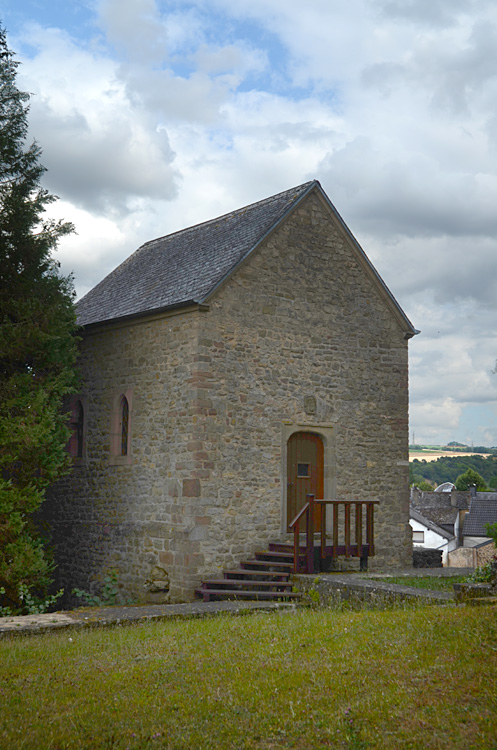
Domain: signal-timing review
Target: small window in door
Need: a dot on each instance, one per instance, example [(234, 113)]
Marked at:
[(303, 470)]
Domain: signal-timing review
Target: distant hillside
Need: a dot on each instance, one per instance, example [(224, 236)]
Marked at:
[(453, 447), (448, 468)]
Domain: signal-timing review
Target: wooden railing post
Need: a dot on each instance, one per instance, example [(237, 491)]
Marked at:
[(362, 545), (322, 519), (335, 530), (370, 528), (309, 542), (347, 529), (358, 528), (296, 547)]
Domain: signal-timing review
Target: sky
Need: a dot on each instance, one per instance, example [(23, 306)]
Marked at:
[(153, 115)]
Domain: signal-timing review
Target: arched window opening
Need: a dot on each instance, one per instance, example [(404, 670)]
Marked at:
[(121, 428), (77, 426), (124, 426)]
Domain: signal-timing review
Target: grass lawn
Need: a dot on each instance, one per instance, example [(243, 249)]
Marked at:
[(414, 678), (432, 583)]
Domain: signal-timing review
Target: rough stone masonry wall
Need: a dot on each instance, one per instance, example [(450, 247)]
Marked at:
[(301, 318), (135, 517), (212, 393)]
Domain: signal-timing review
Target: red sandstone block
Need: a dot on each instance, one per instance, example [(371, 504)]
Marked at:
[(199, 474), (191, 487), (166, 558)]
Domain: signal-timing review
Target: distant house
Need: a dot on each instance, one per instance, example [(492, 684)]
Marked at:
[(427, 534), (444, 509), (455, 523), (482, 510), (227, 370)]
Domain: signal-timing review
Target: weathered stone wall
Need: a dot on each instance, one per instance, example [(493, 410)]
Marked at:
[(472, 557), (299, 338), (301, 319), (127, 516)]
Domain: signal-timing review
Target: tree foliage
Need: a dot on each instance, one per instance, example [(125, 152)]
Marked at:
[(448, 468), (470, 478), (37, 346)]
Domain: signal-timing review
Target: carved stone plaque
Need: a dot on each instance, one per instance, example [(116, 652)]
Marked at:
[(310, 405)]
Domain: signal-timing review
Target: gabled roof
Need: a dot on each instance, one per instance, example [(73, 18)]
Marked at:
[(416, 516), (187, 267), (435, 507), (483, 510)]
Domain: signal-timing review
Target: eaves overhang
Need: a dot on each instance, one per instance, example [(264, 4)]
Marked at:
[(176, 308)]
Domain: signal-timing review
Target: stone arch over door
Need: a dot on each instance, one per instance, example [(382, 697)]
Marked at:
[(308, 465)]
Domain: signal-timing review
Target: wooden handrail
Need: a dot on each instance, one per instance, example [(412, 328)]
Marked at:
[(348, 549), (295, 524), (299, 515)]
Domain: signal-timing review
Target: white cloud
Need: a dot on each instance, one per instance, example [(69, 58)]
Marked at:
[(174, 112), (135, 28), (99, 150)]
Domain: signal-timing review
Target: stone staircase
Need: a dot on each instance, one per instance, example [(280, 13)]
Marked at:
[(267, 576)]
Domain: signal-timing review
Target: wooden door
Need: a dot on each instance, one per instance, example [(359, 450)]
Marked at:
[(304, 473)]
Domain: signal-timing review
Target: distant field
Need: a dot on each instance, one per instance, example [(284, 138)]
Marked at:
[(433, 455)]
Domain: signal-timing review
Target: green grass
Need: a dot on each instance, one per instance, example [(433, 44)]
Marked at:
[(423, 678), (432, 583)]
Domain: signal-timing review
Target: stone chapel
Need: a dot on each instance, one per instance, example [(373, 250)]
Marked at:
[(208, 359)]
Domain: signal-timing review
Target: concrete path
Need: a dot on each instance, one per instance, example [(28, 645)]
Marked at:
[(101, 616)]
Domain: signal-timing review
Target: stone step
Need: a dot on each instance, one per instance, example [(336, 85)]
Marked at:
[(270, 574), (465, 592), (284, 547), (207, 594), (265, 577), (266, 554), (265, 564), (245, 583), (482, 601)]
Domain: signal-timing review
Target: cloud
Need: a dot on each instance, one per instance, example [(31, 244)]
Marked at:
[(135, 28), (410, 194), (100, 152), (430, 13), (172, 113)]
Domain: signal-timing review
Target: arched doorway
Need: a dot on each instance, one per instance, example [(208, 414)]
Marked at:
[(305, 473)]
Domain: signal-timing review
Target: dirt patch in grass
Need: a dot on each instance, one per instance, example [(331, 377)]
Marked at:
[(422, 678)]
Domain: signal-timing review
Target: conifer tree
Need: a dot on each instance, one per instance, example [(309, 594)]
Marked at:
[(37, 349)]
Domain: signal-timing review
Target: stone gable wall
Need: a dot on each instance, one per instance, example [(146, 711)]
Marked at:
[(298, 338), (301, 323)]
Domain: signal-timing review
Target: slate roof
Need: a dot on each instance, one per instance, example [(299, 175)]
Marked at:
[(186, 267), (483, 510), (435, 507), (414, 514)]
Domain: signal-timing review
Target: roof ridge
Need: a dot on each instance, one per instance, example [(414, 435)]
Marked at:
[(270, 199)]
